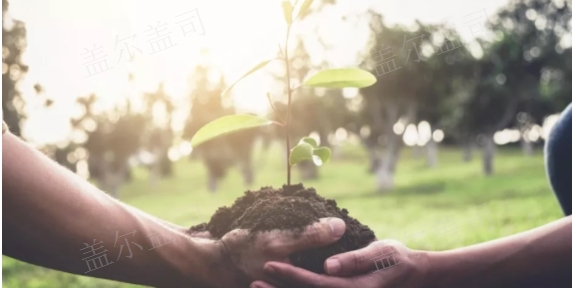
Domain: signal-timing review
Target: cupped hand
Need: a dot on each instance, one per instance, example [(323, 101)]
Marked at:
[(241, 256), (381, 264)]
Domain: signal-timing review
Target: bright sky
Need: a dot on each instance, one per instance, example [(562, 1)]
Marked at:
[(238, 34)]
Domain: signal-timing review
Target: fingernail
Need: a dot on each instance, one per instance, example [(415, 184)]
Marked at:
[(332, 266), (337, 226)]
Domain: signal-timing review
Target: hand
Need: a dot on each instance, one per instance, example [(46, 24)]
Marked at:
[(399, 267), (241, 256)]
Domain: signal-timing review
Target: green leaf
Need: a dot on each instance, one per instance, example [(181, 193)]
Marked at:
[(341, 78), (254, 69), (227, 124), (310, 141), (304, 8), (301, 152), (323, 154), (287, 9)]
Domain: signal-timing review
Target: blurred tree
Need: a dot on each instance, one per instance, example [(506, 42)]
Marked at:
[(439, 84), (220, 153), (110, 139), (508, 78), (403, 88), (13, 69), (158, 136), (539, 27)]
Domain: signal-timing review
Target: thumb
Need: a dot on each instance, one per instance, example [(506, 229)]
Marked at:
[(319, 234)]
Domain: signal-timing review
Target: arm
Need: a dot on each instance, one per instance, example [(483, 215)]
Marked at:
[(49, 213), (537, 258), (540, 257)]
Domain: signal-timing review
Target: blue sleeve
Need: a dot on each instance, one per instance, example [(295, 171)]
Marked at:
[(558, 159)]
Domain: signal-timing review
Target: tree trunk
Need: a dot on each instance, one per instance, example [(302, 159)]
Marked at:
[(336, 152), (467, 150), (308, 171), (527, 146), (417, 152), (387, 167), (525, 143), (385, 178), (113, 179), (266, 142), (374, 159), (155, 168), (324, 140), (247, 171), (432, 153), (212, 182), (488, 156), (153, 175), (113, 190)]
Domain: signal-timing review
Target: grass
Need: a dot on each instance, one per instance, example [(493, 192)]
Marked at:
[(450, 206)]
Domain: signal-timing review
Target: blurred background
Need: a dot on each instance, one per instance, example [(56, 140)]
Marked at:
[(454, 127)]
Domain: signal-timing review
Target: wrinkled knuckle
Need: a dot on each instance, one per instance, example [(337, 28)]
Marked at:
[(233, 237), (269, 247), (395, 243), (314, 236), (380, 245), (358, 259)]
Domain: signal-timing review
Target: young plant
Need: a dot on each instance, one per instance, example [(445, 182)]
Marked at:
[(307, 148)]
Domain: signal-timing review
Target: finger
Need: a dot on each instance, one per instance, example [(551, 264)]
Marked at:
[(319, 234), (261, 284), (358, 261), (297, 277)]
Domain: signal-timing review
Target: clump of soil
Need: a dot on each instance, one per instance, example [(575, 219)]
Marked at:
[(290, 208)]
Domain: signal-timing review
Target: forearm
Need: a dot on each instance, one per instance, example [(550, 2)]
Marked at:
[(537, 258), (49, 213)]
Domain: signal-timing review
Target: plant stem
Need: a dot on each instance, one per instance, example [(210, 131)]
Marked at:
[(280, 120), (287, 127)]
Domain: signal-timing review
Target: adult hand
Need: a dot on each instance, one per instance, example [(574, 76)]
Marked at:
[(381, 264), (239, 256)]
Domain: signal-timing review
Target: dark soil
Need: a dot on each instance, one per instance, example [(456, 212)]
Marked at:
[(291, 208)]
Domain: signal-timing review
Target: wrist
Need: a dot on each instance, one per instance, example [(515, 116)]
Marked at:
[(191, 262), (431, 271), (207, 264), (219, 269), (423, 262), (438, 272)]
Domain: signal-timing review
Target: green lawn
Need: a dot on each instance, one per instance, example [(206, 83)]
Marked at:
[(434, 208)]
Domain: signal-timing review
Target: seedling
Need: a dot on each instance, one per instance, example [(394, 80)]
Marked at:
[(307, 149)]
